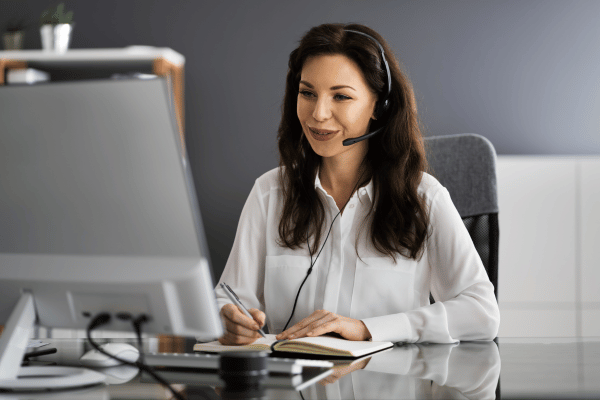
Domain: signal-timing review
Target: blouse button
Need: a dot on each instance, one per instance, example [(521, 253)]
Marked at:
[(351, 206)]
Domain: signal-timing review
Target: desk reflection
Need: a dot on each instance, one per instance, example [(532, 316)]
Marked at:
[(410, 371), (414, 371)]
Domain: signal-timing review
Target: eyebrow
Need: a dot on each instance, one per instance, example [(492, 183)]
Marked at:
[(331, 88)]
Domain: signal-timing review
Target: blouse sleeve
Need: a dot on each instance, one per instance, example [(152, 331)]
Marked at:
[(465, 307), (245, 270)]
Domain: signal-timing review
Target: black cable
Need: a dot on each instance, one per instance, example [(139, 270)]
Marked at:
[(299, 391), (310, 269), (103, 319), (310, 252), (137, 327), (136, 323)]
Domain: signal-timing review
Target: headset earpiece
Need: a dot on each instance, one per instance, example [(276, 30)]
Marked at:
[(383, 104), (381, 108)]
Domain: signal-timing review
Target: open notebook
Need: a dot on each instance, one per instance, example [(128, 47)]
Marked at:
[(320, 345)]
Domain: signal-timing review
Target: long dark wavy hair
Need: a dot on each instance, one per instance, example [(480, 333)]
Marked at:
[(395, 159)]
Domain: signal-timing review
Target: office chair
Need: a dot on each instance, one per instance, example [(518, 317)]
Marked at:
[(466, 165)]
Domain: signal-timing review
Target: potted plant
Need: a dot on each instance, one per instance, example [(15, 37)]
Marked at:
[(56, 27), (14, 34)]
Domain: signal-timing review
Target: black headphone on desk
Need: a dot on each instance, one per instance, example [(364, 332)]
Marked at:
[(381, 107)]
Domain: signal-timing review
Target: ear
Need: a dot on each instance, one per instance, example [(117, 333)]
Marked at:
[(374, 115)]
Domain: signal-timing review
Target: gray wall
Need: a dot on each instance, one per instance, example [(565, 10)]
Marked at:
[(522, 73)]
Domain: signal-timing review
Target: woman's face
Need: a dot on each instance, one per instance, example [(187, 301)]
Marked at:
[(334, 97)]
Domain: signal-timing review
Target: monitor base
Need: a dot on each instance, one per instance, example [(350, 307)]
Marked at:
[(13, 344), (52, 378)]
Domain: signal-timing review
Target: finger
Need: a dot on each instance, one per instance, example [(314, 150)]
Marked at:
[(329, 379), (315, 324), (295, 331), (333, 378), (258, 316), (242, 333), (228, 310), (291, 332), (326, 327), (240, 330), (234, 314), (320, 327), (231, 339)]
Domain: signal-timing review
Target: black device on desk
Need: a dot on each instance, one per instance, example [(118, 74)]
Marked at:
[(98, 216)]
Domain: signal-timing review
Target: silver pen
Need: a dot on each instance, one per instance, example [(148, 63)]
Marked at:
[(236, 300)]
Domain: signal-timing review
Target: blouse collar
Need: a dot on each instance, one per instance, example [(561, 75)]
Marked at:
[(368, 189)]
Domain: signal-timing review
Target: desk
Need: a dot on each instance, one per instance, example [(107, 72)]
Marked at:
[(513, 368)]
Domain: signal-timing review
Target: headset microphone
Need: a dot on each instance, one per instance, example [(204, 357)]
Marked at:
[(382, 105), (348, 142)]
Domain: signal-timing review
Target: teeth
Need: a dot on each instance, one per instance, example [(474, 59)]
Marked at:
[(322, 134)]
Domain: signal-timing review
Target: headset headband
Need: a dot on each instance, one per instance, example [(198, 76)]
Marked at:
[(387, 67)]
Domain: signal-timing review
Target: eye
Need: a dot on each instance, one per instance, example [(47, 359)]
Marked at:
[(306, 93), (342, 97)]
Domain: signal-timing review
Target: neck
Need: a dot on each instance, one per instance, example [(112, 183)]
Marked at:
[(341, 175)]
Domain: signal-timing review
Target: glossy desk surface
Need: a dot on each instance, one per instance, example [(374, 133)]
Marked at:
[(509, 369)]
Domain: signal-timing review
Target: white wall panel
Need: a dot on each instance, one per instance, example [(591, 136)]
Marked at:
[(537, 229), (590, 321), (590, 230), (537, 323)]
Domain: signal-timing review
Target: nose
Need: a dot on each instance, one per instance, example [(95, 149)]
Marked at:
[(322, 110)]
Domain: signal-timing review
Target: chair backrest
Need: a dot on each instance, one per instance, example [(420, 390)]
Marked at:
[(466, 165)]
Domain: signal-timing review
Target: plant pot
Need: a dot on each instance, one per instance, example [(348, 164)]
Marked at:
[(13, 40), (56, 38)]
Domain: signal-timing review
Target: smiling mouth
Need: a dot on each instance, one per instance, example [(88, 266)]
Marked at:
[(321, 132)]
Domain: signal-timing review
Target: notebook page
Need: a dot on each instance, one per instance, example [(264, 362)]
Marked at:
[(263, 344), (332, 346)]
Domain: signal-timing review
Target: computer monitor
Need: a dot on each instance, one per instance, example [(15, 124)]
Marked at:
[(98, 213)]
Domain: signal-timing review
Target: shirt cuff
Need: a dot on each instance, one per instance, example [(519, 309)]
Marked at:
[(389, 328)]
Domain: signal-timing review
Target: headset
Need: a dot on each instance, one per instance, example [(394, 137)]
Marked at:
[(381, 108), (383, 104)]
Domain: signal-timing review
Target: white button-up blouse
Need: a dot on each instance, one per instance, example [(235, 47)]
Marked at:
[(392, 299)]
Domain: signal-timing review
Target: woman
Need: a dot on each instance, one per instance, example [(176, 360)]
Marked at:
[(350, 237)]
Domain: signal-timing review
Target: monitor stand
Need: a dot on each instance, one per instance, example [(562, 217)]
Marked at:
[(13, 344)]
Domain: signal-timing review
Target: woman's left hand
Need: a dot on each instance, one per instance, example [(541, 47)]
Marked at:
[(322, 321)]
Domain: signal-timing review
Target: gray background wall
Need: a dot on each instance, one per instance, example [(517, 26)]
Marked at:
[(522, 73)]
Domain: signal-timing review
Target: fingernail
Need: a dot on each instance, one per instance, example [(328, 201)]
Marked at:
[(292, 336)]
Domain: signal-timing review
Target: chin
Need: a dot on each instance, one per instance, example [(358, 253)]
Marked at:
[(325, 150)]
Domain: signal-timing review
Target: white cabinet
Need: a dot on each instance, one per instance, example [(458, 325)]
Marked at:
[(549, 258), (590, 247)]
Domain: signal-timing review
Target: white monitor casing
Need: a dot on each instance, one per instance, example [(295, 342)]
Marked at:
[(98, 213)]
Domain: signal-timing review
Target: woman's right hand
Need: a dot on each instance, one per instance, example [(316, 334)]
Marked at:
[(239, 328)]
